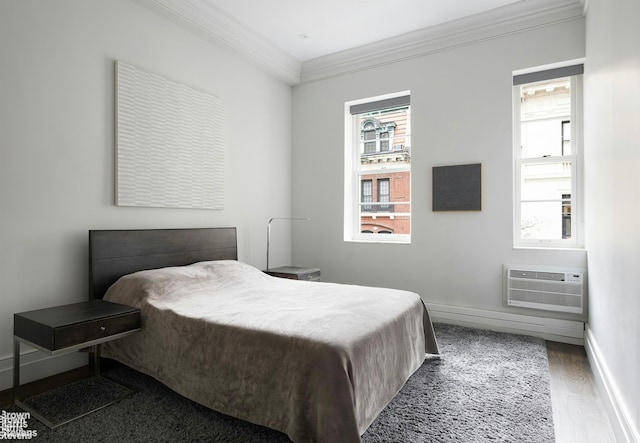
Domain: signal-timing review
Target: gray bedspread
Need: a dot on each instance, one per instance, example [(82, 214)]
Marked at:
[(317, 361)]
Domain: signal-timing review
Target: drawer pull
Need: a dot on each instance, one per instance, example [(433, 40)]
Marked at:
[(103, 328)]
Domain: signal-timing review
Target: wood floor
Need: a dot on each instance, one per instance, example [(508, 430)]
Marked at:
[(578, 413)]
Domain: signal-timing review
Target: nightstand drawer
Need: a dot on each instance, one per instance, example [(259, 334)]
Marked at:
[(94, 330), (313, 275), (72, 325)]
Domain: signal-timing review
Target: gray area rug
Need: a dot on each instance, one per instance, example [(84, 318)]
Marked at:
[(486, 387)]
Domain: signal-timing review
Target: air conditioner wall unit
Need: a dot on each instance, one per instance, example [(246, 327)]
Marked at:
[(560, 290)]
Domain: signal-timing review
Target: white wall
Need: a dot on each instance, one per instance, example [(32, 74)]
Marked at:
[(57, 146), (612, 135), (461, 101)]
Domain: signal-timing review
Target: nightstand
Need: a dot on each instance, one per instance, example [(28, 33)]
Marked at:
[(295, 273), (62, 329)]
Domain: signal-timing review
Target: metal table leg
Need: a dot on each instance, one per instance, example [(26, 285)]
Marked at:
[(96, 360), (16, 386), (16, 370)]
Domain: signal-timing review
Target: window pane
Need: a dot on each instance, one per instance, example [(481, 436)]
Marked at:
[(542, 138), (392, 131), (385, 202), (383, 195), (545, 220), (545, 181), (383, 190), (370, 147), (366, 195), (545, 112)]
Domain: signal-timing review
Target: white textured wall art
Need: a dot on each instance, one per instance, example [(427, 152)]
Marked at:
[(170, 143)]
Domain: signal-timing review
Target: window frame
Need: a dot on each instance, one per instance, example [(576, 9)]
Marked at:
[(574, 159), (352, 173)]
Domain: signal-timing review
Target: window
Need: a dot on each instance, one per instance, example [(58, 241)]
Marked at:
[(383, 194), (384, 141), (547, 125), (378, 169), (367, 195)]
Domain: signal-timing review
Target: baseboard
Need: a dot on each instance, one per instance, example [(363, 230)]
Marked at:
[(35, 365), (623, 428), (564, 331)]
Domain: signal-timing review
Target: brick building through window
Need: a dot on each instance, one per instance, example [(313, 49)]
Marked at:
[(385, 192)]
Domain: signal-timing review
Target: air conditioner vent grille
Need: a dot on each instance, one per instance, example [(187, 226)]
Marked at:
[(537, 275), (543, 286), (557, 300)]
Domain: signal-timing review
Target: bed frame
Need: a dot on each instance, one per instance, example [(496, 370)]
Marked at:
[(114, 253)]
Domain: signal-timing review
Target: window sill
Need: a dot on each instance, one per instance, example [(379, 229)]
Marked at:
[(388, 242), (551, 248)]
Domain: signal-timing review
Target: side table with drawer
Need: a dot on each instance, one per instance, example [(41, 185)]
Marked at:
[(68, 328)]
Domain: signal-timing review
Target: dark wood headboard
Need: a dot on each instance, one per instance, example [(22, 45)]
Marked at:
[(114, 253)]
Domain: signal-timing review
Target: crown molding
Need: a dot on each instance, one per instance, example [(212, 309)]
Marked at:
[(510, 19), (221, 29), (217, 27)]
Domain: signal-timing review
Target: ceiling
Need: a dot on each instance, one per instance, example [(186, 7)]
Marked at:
[(308, 29), (305, 40)]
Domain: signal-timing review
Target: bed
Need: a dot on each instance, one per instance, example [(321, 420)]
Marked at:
[(317, 361)]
